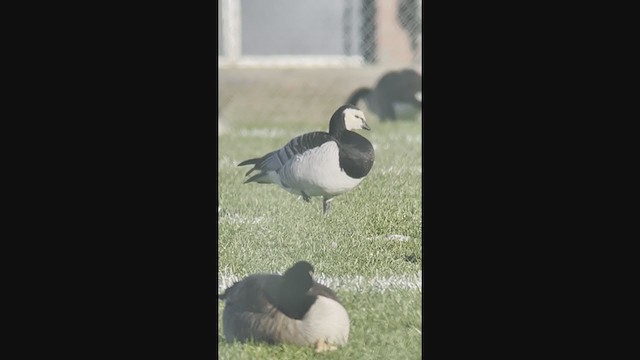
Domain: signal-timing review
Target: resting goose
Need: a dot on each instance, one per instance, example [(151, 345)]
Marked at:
[(397, 94), (290, 308), (319, 163)]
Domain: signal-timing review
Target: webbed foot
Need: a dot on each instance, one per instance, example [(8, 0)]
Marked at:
[(322, 346)]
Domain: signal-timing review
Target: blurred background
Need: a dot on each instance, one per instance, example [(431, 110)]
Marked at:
[(285, 61)]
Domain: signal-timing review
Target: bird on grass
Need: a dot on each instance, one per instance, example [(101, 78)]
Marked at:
[(285, 309), (397, 94), (319, 163)]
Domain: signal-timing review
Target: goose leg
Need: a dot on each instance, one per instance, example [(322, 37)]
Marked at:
[(326, 206), (322, 345), (305, 197)]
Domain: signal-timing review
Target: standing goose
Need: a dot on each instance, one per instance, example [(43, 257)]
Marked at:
[(397, 93), (290, 308), (319, 163)]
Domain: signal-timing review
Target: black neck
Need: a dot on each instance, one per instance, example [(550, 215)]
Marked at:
[(294, 302), (336, 125)]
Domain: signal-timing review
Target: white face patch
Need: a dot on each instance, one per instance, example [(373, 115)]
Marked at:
[(418, 96), (354, 119)]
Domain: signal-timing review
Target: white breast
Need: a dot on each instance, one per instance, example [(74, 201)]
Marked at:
[(317, 172), (326, 319)]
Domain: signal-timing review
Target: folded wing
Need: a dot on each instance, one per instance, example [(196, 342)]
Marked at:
[(275, 160)]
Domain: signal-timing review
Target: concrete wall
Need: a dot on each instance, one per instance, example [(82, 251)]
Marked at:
[(285, 27), (317, 27)]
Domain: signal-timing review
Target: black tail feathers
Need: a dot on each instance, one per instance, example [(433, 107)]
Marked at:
[(249, 162)]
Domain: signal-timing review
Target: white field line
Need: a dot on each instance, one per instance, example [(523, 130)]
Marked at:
[(227, 161), (346, 283), (399, 170), (225, 216), (395, 237), (262, 133), (233, 218), (397, 138)]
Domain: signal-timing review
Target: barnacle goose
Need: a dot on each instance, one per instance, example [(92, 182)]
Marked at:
[(397, 94), (290, 308), (320, 163)]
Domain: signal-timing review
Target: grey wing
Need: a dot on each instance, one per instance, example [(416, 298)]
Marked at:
[(275, 160), (252, 293)]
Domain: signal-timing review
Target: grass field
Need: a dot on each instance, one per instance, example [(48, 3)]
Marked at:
[(368, 249)]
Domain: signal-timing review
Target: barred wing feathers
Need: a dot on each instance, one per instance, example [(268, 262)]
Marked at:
[(275, 160)]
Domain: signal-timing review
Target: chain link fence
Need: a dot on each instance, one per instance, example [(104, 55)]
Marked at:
[(292, 60)]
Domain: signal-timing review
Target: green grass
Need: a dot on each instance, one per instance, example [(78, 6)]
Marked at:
[(263, 228)]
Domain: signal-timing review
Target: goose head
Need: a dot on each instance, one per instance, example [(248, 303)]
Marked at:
[(293, 298), (347, 117), (298, 279)]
